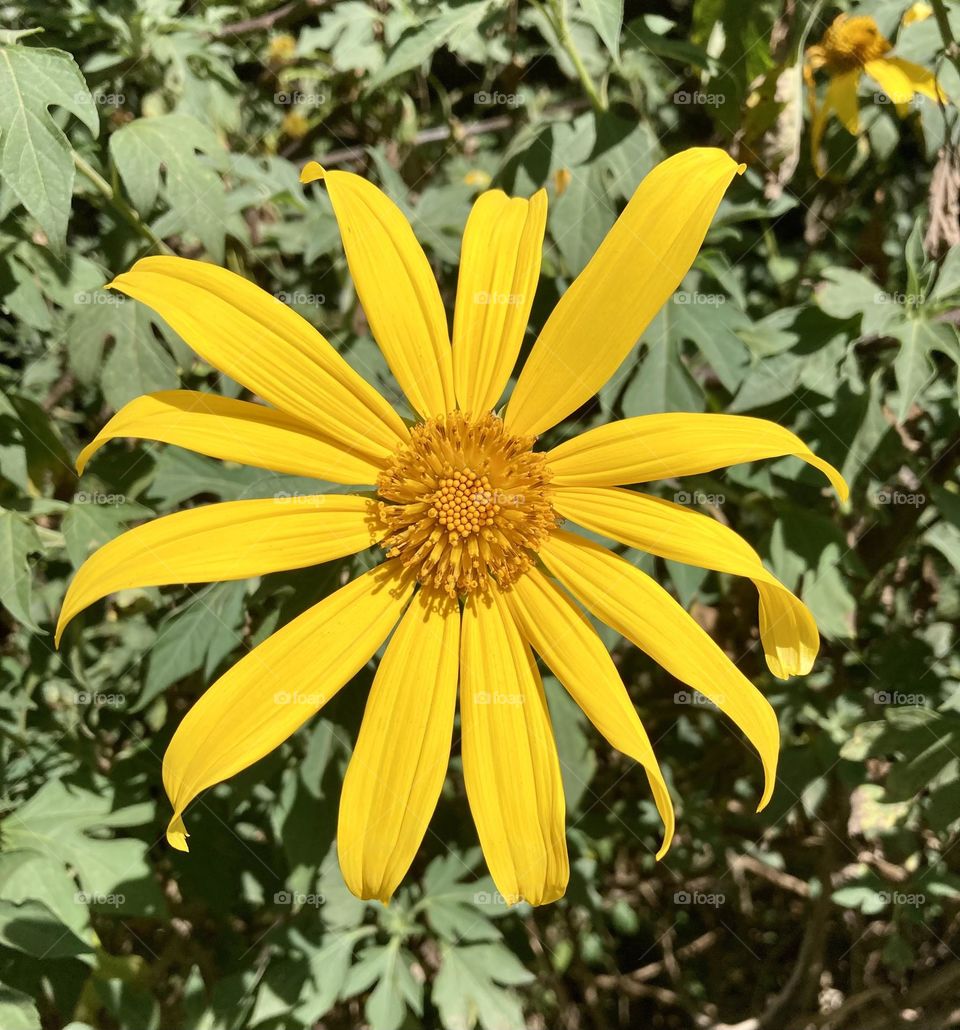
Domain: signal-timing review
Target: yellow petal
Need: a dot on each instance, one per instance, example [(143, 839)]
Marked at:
[(630, 602), (268, 348), (499, 268), (901, 79), (842, 98), (649, 447), (563, 637), (232, 540), (232, 430), (275, 688), (634, 271), (919, 11), (398, 766), (787, 629), (396, 287), (510, 761)]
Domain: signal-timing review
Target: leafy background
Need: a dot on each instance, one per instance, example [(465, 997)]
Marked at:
[(830, 306)]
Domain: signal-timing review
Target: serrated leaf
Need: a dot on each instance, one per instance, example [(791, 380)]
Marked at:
[(468, 989), (198, 637), (18, 539), (913, 365), (138, 362), (847, 294), (418, 44), (171, 144), (35, 157)]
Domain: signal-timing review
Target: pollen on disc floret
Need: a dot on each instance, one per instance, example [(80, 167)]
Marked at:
[(464, 501)]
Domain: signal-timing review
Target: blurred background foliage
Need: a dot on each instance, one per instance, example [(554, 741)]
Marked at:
[(829, 305)]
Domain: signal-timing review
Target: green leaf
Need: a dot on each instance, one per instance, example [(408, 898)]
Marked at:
[(31, 927), (17, 1010), (58, 821), (389, 966), (193, 190), (138, 362), (846, 294), (36, 163), (468, 989), (199, 637), (18, 539), (418, 45), (913, 365), (94, 519), (606, 16)]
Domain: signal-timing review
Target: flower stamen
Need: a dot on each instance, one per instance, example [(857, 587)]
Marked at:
[(465, 501)]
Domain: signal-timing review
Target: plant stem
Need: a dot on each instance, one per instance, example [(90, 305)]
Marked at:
[(562, 27), (117, 203), (950, 48)]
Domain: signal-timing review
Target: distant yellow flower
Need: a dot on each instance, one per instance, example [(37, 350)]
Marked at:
[(850, 47), (478, 178), (562, 178), (478, 575), (294, 125), (281, 48), (919, 11)]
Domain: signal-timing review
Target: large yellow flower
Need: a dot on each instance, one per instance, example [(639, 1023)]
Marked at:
[(478, 573), (850, 48)]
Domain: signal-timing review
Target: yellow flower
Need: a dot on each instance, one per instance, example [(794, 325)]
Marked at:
[(850, 47), (478, 575), (281, 48), (478, 178), (919, 11), (562, 178), (294, 125)]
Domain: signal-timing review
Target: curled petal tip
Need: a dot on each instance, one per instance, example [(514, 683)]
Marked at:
[(177, 834), (741, 168), (311, 172), (767, 795)]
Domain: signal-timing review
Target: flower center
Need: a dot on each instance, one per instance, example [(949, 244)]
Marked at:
[(850, 42), (465, 501)]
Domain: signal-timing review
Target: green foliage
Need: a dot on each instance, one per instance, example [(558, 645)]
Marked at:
[(828, 305)]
